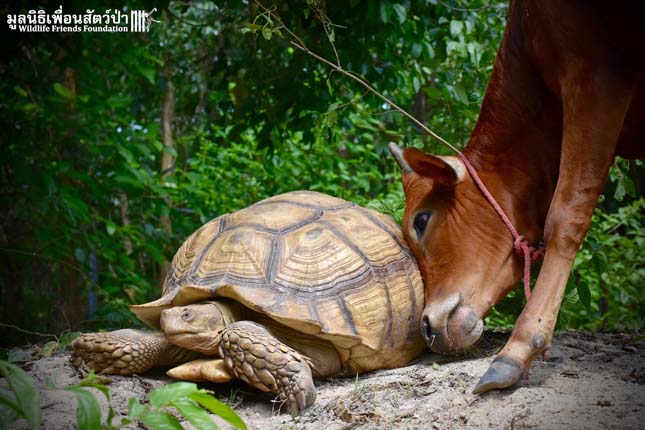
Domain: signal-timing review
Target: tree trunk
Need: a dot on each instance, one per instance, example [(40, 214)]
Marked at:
[(167, 159), (125, 221), (72, 282), (72, 305), (419, 106)]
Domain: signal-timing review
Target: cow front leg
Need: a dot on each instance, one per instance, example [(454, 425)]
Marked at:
[(593, 118)]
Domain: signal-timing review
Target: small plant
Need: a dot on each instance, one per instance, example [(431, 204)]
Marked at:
[(358, 389), (186, 398), (20, 399)]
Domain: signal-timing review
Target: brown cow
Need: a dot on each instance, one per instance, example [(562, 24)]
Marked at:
[(566, 94)]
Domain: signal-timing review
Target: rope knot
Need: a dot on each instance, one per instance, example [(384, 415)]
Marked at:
[(537, 252), (522, 247), (520, 243)]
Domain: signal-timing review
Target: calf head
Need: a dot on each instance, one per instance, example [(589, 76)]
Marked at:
[(463, 249)]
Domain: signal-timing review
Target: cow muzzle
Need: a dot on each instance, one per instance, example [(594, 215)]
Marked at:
[(450, 326)]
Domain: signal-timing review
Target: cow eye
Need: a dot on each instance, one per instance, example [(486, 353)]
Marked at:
[(420, 222)]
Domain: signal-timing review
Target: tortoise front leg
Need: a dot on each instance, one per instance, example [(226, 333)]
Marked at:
[(258, 358), (126, 352)]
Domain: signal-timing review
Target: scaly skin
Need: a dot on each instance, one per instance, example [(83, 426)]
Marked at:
[(127, 352), (249, 351), (258, 358)]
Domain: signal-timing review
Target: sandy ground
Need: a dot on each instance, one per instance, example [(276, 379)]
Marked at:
[(592, 381)]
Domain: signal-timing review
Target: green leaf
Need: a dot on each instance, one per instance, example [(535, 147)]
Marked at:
[(110, 227), (620, 192), (9, 409), (18, 355), (475, 52), (461, 94), (400, 11), (67, 338), (79, 254), (251, 27), (8, 398), (147, 72), (630, 187), (135, 409), (266, 32), (91, 381), (218, 408), (49, 348), (170, 150), (165, 395), (63, 91), (20, 91), (332, 107), (384, 11), (456, 27), (88, 411), (119, 100), (584, 295), (158, 420), (416, 50), (24, 390), (7, 415), (599, 261), (28, 107), (416, 83), (195, 414), (429, 50)]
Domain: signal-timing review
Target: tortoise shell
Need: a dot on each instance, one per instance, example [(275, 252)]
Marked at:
[(318, 264)]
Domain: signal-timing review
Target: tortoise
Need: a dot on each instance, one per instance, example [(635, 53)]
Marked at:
[(296, 286)]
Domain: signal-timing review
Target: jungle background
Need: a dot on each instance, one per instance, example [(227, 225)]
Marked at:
[(115, 147)]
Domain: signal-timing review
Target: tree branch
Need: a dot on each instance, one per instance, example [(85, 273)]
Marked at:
[(299, 44)]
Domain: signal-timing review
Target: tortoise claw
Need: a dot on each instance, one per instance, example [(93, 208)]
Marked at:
[(502, 373)]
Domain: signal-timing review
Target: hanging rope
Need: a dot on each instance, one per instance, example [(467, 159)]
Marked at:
[(520, 244)]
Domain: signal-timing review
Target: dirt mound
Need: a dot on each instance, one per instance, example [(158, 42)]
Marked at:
[(591, 381)]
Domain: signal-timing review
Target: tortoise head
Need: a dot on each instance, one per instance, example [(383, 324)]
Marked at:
[(197, 326)]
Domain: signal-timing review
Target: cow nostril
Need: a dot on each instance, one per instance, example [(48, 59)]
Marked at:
[(426, 330)]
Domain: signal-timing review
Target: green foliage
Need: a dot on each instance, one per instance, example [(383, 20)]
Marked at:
[(88, 411), (20, 399), (609, 272), (191, 402), (605, 287)]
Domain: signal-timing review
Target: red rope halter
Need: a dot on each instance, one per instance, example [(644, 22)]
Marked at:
[(520, 244)]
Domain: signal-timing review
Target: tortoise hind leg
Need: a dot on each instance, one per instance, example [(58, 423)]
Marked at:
[(126, 352), (258, 358)]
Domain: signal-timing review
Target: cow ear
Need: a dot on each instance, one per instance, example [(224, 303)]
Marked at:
[(442, 169)]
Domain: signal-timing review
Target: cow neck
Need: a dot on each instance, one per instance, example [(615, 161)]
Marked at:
[(515, 147)]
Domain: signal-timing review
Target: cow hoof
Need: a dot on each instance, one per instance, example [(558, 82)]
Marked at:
[(502, 373)]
